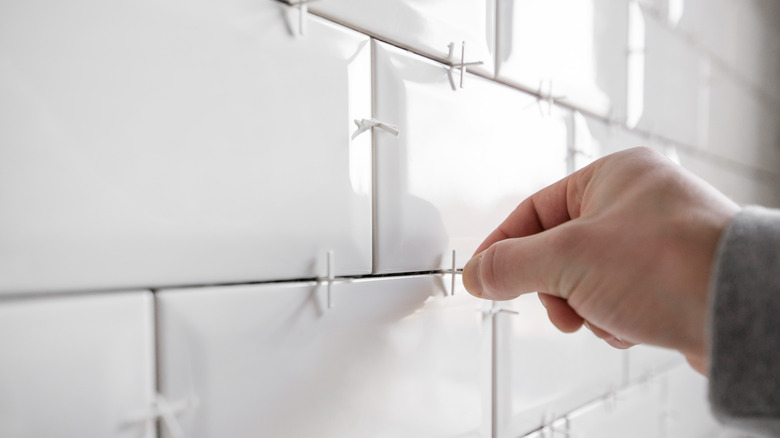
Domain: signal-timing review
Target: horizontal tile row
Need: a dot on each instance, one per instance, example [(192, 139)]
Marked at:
[(153, 164), (395, 356)]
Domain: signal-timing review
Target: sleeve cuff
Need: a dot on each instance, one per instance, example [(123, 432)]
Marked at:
[(745, 323)]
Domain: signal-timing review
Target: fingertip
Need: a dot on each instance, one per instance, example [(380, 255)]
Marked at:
[(471, 276), (618, 343)]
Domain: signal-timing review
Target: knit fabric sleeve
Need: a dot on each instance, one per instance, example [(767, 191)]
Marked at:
[(744, 386)]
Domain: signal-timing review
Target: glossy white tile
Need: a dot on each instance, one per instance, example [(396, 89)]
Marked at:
[(424, 27), (542, 373), (181, 142), (579, 55), (638, 411), (664, 81), (463, 160), (77, 366), (393, 357)]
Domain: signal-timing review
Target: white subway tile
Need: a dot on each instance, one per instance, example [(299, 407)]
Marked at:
[(77, 366), (424, 27), (393, 357), (181, 142), (574, 49), (463, 160), (542, 373)]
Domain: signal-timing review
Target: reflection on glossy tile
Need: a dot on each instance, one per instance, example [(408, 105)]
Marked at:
[(77, 366), (582, 53), (393, 358), (635, 412), (543, 373), (214, 146), (462, 163), (670, 99), (424, 27)]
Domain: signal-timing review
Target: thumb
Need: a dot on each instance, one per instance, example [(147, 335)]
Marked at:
[(512, 267)]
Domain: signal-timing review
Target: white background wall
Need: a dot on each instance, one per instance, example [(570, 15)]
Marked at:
[(194, 243)]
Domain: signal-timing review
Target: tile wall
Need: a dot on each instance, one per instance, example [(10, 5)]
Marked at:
[(240, 218)]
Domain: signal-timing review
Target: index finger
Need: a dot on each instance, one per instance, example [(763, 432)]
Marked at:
[(545, 209)]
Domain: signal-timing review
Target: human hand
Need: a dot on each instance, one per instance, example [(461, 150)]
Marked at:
[(624, 246)]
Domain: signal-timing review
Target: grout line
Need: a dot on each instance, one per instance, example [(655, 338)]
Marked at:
[(496, 38), (494, 377), (374, 162), (157, 350), (67, 293), (22, 296)]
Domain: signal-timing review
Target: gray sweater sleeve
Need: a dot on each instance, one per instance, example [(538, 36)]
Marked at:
[(745, 324)]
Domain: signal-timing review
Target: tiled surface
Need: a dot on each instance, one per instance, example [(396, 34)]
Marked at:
[(79, 366), (579, 56), (183, 154), (463, 160), (543, 373), (425, 27), (192, 143), (392, 358)]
